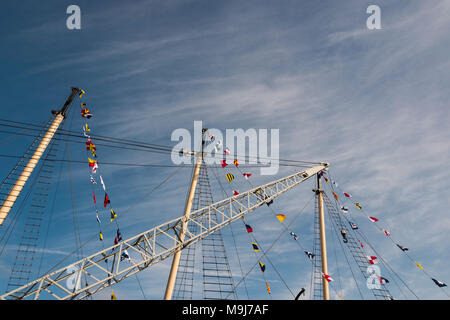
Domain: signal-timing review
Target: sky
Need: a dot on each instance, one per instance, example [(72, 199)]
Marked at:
[(372, 103)]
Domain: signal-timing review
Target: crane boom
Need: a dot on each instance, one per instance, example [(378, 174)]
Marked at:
[(150, 247)]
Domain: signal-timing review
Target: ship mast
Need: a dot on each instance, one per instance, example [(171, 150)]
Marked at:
[(187, 212), (28, 170)]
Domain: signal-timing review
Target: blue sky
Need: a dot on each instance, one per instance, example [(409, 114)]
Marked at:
[(372, 103)]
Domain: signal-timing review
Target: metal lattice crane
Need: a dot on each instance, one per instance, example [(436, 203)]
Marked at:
[(159, 243)]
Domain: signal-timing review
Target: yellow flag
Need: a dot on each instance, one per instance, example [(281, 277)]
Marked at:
[(357, 205), (268, 288), (87, 128), (101, 236), (82, 92), (91, 161), (113, 296), (281, 217), (418, 264)]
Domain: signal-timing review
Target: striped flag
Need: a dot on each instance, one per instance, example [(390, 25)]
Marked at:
[(262, 266), (255, 247), (327, 277), (386, 232), (373, 219), (249, 228), (372, 259), (230, 177), (236, 162)]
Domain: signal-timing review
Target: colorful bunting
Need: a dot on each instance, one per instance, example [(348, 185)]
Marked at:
[(85, 113), (262, 266), (255, 247), (268, 288), (224, 163), (113, 215), (236, 162), (310, 255), (118, 237), (327, 277), (106, 201), (419, 265), (230, 177), (81, 93), (373, 219), (249, 228), (347, 195), (358, 205), (280, 217), (335, 195), (439, 283), (372, 259), (293, 235)]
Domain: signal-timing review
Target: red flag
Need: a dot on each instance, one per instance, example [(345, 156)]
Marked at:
[(386, 232), (236, 163), (247, 175), (224, 164), (373, 219), (372, 259), (106, 200), (93, 193), (362, 246), (347, 195), (327, 277), (235, 192)]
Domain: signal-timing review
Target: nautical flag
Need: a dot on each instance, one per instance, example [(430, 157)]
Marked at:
[(269, 203), (383, 280), (230, 177), (255, 247), (235, 192), (106, 201), (85, 113), (419, 265), (354, 226), (293, 235), (362, 246), (373, 219), (82, 92), (118, 237), (90, 146), (226, 151), (403, 248), (302, 292), (124, 255), (262, 266), (249, 228), (439, 283), (86, 128), (91, 162), (310, 255), (95, 167), (101, 236), (335, 195), (268, 288), (386, 232), (280, 217), (247, 175), (347, 195), (327, 277), (113, 215), (326, 179), (335, 184), (93, 194), (344, 209), (372, 259), (92, 180), (358, 205), (103, 184), (83, 105), (96, 216), (224, 163), (236, 162)]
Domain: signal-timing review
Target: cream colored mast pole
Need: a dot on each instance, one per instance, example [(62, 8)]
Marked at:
[(323, 242), (28, 170), (187, 212)]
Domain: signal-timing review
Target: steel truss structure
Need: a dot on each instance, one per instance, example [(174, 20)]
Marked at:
[(150, 247)]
